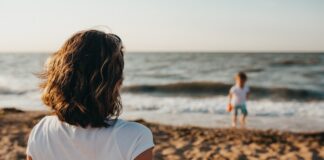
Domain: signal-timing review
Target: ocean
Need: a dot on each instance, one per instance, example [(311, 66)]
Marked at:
[(191, 88)]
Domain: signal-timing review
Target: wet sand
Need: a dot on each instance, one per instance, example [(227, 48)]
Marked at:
[(210, 120), (186, 142)]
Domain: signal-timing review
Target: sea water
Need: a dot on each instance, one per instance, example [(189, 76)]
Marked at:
[(192, 87)]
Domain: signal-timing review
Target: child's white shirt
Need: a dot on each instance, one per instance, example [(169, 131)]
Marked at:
[(239, 95)]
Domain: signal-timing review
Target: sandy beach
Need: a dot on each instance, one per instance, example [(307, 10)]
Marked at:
[(183, 142)]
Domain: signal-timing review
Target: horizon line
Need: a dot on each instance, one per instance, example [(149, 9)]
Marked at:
[(183, 51)]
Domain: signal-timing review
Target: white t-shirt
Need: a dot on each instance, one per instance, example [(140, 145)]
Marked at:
[(239, 95), (52, 139)]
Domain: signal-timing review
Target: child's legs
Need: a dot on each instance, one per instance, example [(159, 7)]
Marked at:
[(234, 116), (242, 122), (234, 119), (244, 115)]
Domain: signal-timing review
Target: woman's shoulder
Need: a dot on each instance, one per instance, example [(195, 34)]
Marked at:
[(120, 126), (46, 120), (132, 131), (133, 138), (130, 126), (38, 131), (44, 123)]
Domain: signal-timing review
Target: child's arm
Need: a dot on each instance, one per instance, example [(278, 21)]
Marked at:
[(229, 105)]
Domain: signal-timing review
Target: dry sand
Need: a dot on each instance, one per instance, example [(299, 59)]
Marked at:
[(184, 142)]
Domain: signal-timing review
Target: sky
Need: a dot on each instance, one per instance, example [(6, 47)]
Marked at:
[(166, 25)]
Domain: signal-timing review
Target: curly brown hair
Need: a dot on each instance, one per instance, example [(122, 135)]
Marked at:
[(81, 80)]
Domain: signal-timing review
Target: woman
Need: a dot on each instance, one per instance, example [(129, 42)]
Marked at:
[(81, 85)]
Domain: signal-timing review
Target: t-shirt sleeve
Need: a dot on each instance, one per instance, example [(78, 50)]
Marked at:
[(29, 151), (31, 142), (133, 139), (143, 142), (33, 139)]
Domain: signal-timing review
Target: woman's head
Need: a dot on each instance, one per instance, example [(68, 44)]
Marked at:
[(82, 79)]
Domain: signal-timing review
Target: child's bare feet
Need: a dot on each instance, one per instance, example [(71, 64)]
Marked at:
[(242, 122), (234, 119)]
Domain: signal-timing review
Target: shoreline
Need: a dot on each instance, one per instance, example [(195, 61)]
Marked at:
[(183, 142), (295, 124), (216, 121)]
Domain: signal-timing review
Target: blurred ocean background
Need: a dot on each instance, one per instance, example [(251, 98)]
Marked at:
[(191, 88)]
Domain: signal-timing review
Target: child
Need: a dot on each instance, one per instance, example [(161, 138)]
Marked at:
[(237, 98), (81, 85)]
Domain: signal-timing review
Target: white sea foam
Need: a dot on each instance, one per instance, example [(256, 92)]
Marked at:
[(217, 105), (211, 112)]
